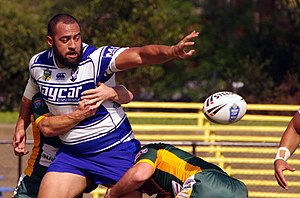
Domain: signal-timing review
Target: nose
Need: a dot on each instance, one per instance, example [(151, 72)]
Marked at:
[(72, 44)]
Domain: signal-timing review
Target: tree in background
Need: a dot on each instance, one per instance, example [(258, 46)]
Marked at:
[(254, 42)]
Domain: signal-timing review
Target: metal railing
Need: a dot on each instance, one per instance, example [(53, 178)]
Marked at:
[(244, 149)]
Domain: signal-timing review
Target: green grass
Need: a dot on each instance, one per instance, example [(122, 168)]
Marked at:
[(8, 117)]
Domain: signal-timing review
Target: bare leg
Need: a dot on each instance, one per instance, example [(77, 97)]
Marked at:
[(58, 184)]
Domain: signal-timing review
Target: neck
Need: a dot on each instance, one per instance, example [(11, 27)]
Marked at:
[(59, 64)]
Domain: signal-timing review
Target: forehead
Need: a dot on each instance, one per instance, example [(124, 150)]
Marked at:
[(63, 29)]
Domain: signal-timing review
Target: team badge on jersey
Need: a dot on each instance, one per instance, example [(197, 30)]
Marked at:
[(47, 75), (145, 150), (38, 102)]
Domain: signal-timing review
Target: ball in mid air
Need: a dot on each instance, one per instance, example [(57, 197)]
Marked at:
[(224, 107)]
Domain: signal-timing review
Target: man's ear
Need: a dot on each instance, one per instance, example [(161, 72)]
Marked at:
[(50, 41)]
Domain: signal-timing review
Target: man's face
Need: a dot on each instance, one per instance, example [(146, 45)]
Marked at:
[(67, 44)]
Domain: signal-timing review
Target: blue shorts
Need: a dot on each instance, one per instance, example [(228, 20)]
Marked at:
[(104, 168)]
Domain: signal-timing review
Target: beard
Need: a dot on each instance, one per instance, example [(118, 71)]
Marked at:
[(64, 61)]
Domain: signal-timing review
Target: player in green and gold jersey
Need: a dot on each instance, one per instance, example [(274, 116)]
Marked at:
[(43, 153), (168, 171)]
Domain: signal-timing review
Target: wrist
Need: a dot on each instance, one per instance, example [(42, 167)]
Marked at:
[(283, 153), (113, 95), (172, 51), (76, 116)]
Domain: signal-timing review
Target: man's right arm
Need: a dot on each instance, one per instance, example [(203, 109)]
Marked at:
[(19, 138), (132, 180)]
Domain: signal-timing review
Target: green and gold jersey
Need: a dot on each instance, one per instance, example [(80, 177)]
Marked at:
[(44, 148), (172, 168)]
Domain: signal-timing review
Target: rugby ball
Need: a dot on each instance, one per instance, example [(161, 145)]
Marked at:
[(224, 107)]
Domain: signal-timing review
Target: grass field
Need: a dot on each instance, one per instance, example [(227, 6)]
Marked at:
[(8, 117)]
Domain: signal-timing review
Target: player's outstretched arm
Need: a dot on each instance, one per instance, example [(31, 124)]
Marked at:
[(288, 144), (133, 179), (19, 137), (155, 54)]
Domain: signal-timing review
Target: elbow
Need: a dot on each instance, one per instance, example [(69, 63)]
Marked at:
[(128, 98), (139, 176), (47, 133), (45, 129), (142, 172), (130, 95)]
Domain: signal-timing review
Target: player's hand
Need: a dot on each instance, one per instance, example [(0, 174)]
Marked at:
[(179, 49), (279, 167), (98, 95), (19, 142), (84, 110)]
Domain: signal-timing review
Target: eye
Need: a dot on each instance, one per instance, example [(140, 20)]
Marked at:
[(64, 39), (77, 38)]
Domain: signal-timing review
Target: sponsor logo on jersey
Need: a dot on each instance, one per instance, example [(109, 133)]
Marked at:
[(61, 94), (60, 76), (48, 155), (46, 75)]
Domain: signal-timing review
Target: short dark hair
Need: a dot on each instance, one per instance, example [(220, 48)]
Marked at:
[(65, 18)]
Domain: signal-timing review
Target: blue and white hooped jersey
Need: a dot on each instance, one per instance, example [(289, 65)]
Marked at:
[(62, 87)]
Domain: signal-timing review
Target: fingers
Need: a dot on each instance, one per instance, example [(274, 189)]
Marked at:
[(279, 167), (19, 142), (178, 50), (193, 34), (88, 94), (281, 180), (20, 150), (290, 168), (190, 53)]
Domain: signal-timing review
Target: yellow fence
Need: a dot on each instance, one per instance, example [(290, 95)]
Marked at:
[(244, 150)]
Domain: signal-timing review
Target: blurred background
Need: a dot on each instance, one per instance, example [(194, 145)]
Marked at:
[(247, 46), (251, 47)]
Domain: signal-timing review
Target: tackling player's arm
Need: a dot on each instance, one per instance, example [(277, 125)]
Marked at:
[(155, 54), (60, 124), (288, 144), (118, 94), (133, 179), (52, 126)]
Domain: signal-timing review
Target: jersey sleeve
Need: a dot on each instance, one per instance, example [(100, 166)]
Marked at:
[(148, 155), (31, 87), (39, 108), (112, 66), (104, 60)]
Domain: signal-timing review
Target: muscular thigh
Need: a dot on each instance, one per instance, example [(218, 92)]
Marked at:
[(60, 184)]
